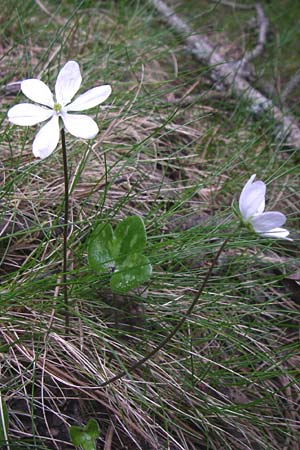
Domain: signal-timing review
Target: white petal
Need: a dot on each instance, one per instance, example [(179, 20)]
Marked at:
[(27, 114), (47, 139), (252, 198), (91, 98), (267, 221), (80, 126), (37, 91), (68, 82), (279, 233)]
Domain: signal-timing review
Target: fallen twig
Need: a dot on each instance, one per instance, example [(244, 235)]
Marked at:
[(292, 84), (233, 4), (263, 25), (200, 47), (242, 66)]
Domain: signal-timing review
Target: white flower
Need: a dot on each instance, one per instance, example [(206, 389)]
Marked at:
[(66, 86), (252, 205)]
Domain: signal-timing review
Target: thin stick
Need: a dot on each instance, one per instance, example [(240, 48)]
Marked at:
[(222, 71), (65, 231), (149, 355), (292, 84), (263, 25)]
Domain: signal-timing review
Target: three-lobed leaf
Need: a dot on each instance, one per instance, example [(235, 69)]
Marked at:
[(85, 437), (120, 252)]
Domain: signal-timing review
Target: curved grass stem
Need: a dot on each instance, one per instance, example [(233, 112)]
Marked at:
[(149, 355)]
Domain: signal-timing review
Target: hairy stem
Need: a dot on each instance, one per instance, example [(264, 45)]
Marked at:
[(149, 355), (65, 231)]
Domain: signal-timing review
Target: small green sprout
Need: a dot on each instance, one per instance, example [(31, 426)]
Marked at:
[(85, 437)]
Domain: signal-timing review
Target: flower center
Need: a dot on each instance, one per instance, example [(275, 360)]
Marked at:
[(57, 108)]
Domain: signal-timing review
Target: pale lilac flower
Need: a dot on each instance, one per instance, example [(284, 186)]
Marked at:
[(252, 205), (67, 84)]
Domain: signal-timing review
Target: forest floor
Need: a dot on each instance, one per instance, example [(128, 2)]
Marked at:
[(176, 148)]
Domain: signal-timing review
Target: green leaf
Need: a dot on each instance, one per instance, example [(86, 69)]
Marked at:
[(121, 251), (130, 236), (85, 437), (100, 248), (3, 421), (131, 273)]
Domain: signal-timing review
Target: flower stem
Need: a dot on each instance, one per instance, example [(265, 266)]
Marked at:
[(65, 230), (149, 355)]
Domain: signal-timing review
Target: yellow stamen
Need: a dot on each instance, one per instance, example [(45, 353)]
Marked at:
[(57, 108)]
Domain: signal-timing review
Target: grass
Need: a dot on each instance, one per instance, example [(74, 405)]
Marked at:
[(229, 379)]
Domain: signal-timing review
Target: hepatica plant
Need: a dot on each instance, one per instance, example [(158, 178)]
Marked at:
[(56, 110), (120, 253)]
